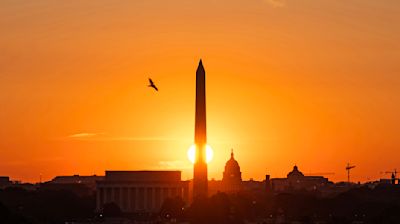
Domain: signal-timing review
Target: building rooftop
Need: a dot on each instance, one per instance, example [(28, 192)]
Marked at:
[(143, 175)]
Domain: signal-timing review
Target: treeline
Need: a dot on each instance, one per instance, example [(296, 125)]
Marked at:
[(43, 206), (380, 205), (360, 205)]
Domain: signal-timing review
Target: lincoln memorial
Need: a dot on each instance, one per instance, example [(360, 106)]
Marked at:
[(140, 191)]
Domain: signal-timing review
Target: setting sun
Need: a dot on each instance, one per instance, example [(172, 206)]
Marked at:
[(192, 153)]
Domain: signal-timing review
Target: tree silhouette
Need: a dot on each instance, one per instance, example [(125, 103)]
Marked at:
[(172, 208), (111, 210)]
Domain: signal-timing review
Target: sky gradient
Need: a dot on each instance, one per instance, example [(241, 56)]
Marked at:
[(307, 82)]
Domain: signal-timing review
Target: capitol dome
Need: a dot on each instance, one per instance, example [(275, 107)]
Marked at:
[(232, 170)]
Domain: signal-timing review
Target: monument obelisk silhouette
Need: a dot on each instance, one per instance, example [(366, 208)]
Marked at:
[(200, 180)]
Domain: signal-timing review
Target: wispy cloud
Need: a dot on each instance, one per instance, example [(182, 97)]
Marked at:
[(276, 3), (142, 139)]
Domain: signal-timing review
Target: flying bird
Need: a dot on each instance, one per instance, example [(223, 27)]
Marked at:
[(152, 85)]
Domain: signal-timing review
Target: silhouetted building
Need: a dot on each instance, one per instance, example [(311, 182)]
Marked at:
[(296, 180), (232, 181), (393, 178), (391, 181), (253, 186), (267, 184), (77, 189), (79, 185), (5, 182), (232, 177), (200, 180), (88, 181), (140, 191)]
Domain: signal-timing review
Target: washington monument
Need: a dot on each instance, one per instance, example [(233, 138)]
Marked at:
[(200, 180)]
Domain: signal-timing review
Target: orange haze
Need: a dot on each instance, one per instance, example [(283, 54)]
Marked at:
[(307, 82)]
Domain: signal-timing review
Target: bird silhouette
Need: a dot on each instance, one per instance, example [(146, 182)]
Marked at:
[(152, 85)]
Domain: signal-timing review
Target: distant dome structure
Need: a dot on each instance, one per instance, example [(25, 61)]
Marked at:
[(295, 173), (296, 180), (232, 177)]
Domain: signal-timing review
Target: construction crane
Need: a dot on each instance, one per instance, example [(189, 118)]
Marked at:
[(394, 172), (348, 168), (394, 175)]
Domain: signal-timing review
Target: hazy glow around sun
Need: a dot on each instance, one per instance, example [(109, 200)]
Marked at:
[(192, 153)]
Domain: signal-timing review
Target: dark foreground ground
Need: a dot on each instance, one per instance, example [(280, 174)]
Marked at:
[(380, 205)]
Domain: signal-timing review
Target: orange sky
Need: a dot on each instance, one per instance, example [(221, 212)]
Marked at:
[(307, 82)]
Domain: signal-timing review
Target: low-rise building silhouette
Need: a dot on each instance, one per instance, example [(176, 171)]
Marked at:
[(79, 185), (296, 180), (5, 182), (88, 181), (140, 191)]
